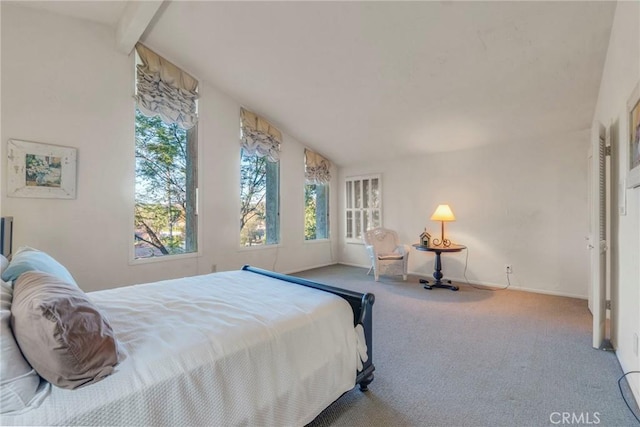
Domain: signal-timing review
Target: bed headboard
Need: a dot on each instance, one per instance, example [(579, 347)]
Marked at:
[(6, 235)]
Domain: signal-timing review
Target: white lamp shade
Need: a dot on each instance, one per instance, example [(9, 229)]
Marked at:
[(443, 213)]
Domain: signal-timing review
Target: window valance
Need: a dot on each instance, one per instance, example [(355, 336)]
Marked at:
[(259, 137), (317, 169), (164, 89)]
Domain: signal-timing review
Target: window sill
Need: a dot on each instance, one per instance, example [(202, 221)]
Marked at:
[(166, 258), (258, 247), (317, 241), (354, 242)]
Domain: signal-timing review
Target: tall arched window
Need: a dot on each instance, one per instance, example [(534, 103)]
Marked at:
[(166, 131), (259, 181)]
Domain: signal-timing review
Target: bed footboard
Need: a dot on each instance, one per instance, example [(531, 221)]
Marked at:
[(361, 304)]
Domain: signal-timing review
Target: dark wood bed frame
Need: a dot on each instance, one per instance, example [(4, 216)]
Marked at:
[(361, 304)]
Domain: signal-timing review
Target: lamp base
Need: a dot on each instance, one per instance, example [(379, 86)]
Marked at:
[(438, 284), (445, 242), (442, 241)]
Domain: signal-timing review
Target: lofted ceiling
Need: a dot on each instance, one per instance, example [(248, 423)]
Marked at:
[(365, 81), (104, 12)]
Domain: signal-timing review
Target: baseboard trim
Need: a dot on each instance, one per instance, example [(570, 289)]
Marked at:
[(298, 270), (353, 265), (517, 288), (487, 284)]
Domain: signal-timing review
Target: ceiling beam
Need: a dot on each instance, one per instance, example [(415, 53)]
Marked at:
[(134, 21)]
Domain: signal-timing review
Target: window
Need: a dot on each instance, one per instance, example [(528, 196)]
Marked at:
[(259, 181), (316, 211), (363, 205), (166, 150), (259, 200), (317, 172)]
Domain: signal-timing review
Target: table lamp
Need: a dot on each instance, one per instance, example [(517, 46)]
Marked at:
[(443, 213)]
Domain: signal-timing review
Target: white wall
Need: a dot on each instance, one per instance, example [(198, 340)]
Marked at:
[(523, 204), (64, 82), (621, 74)]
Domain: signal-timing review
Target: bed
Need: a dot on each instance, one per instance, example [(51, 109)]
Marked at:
[(246, 347)]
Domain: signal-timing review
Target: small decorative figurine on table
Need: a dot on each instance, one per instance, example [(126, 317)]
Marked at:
[(425, 238)]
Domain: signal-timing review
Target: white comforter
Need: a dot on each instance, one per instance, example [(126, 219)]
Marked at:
[(232, 348)]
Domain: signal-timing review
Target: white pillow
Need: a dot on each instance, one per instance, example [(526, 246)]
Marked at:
[(20, 385)]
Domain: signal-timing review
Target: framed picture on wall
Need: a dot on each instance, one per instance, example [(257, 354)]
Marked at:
[(40, 170), (633, 117)]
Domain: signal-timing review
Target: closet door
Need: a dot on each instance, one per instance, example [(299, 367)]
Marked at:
[(598, 233)]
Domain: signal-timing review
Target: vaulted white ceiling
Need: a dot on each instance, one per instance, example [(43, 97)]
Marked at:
[(360, 81)]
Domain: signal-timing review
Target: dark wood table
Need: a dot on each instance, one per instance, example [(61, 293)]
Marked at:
[(437, 274)]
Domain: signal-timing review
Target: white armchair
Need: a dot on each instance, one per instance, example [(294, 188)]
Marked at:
[(387, 255)]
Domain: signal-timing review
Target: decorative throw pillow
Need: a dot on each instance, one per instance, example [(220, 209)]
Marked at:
[(29, 259), (18, 381), (61, 333), (4, 262)]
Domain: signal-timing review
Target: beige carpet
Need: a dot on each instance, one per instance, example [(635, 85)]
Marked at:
[(477, 358)]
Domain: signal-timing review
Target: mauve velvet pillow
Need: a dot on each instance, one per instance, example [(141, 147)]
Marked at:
[(61, 333)]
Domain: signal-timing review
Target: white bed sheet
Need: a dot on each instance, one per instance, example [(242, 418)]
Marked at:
[(230, 348)]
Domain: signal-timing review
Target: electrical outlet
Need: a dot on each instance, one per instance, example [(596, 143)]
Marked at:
[(508, 268)]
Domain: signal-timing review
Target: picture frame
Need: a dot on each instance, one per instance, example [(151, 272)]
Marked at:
[(633, 126), (40, 170)]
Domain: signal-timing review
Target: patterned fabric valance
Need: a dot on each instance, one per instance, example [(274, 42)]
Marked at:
[(259, 137), (317, 169), (164, 89)]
